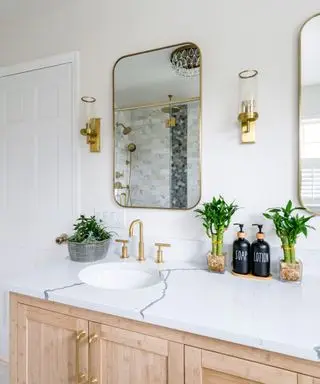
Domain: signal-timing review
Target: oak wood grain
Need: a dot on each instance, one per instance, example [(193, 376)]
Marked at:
[(47, 347), (289, 363)]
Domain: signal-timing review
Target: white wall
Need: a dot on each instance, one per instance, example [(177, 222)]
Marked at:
[(257, 176)]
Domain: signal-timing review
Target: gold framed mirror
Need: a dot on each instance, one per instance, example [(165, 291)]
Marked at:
[(309, 115), (157, 128)]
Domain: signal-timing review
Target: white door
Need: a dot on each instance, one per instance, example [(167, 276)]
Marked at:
[(37, 171), (36, 157)]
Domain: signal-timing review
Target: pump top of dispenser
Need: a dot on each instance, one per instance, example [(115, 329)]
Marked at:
[(241, 234), (260, 234)]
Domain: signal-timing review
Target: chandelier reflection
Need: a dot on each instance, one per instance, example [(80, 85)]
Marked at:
[(186, 60)]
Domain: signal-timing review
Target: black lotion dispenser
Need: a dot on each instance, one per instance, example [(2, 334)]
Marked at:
[(260, 251), (241, 253)]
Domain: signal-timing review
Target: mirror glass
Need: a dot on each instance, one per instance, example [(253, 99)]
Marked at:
[(309, 132), (157, 107)]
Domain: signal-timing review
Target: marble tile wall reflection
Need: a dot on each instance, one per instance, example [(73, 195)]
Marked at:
[(179, 159), (194, 160), (150, 177)]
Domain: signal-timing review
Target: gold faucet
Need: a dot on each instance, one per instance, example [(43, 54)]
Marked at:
[(141, 244)]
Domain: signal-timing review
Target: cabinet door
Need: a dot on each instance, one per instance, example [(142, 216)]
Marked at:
[(49, 351), (204, 367), (307, 380), (118, 356)]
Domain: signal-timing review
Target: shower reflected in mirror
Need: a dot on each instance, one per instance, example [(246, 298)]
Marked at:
[(125, 130), (157, 108)]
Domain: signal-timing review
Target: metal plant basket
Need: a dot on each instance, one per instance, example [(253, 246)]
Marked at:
[(88, 252)]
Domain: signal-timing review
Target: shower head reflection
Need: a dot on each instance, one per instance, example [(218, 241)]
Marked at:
[(125, 130)]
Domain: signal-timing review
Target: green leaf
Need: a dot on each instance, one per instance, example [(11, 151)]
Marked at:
[(216, 215), (289, 206), (287, 225), (89, 229), (299, 209), (306, 219), (274, 210)]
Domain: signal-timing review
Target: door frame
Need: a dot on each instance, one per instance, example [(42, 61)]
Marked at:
[(72, 58)]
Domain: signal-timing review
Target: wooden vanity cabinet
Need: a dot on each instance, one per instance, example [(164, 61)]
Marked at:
[(48, 351), (307, 380), (205, 367), (53, 348), (119, 356), (53, 343)]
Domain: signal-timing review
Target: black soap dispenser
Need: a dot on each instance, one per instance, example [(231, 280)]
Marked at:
[(241, 253), (260, 251)]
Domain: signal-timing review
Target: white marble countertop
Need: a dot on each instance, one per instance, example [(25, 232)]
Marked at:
[(270, 315)]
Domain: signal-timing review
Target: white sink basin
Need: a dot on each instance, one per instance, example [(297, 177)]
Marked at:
[(120, 276)]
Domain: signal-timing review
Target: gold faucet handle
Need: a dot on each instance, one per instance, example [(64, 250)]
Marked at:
[(162, 245), (124, 249), (159, 258)]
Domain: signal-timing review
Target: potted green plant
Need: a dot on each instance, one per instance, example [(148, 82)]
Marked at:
[(90, 240), (289, 225), (216, 217)]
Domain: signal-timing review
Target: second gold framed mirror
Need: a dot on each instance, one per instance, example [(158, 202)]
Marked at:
[(309, 115)]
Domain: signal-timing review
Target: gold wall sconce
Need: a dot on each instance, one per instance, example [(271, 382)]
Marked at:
[(92, 129), (248, 105)]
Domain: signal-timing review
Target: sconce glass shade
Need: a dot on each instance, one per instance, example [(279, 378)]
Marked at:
[(248, 91), (92, 124)]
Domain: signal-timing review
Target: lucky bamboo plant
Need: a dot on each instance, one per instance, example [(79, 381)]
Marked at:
[(216, 217), (289, 226)]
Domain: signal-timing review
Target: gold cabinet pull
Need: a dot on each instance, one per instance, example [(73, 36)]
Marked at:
[(81, 335), (93, 338), (81, 377)]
